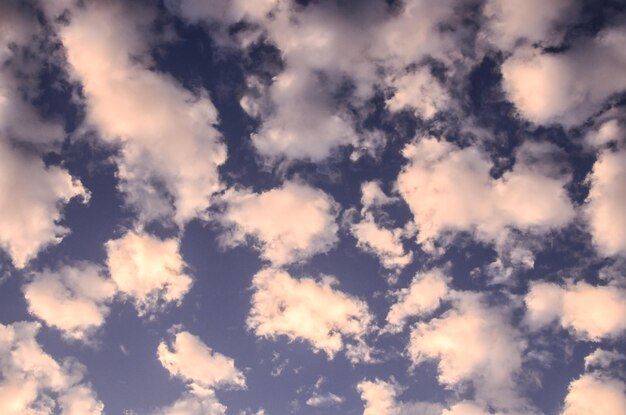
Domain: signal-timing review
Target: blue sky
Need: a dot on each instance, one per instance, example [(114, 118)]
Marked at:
[(312, 207)]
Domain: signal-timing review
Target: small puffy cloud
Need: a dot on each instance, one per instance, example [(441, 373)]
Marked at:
[(307, 310), (604, 207), (203, 370), (563, 87), (605, 132), (473, 343), (510, 22), (324, 400), (372, 196), (450, 189), (380, 398), (31, 199), (148, 270), (32, 382), (287, 224), (188, 358), (72, 298), (424, 296), (590, 312), (603, 359), (419, 91), (594, 394), (385, 243), (169, 148)]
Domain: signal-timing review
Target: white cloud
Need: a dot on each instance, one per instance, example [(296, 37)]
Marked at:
[(148, 270), (308, 310), (510, 22), (603, 359), (72, 298), (203, 370), (380, 398), (424, 295), (605, 132), (594, 394), (288, 224), (372, 196), (563, 87), (473, 343), (605, 204), (32, 382), (324, 400), (170, 150), (590, 312), (420, 91), (385, 243), (193, 361), (31, 198), (450, 189)]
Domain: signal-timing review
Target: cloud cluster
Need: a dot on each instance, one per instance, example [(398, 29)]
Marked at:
[(563, 87), (590, 312), (286, 224), (169, 149), (32, 382), (309, 310), (203, 370), (424, 296), (72, 298), (450, 189), (147, 270), (374, 237), (473, 343), (605, 203), (596, 391)]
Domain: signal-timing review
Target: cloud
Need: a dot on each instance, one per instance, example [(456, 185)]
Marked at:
[(31, 199), (324, 400), (604, 207), (603, 359), (203, 370), (450, 189), (288, 224), (307, 310), (72, 298), (380, 398), (169, 148), (511, 22), (473, 343), (590, 312), (419, 91), (593, 394), (148, 270), (562, 87), (194, 362), (424, 296), (34, 383)]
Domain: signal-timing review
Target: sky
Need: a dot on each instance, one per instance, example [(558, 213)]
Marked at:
[(272, 207)]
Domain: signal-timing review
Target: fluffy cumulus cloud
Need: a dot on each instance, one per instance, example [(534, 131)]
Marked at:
[(381, 398), (374, 237), (203, 370), (419, 91), (563, 87), (605, 203), (424, 296), (590, 312), (450, 189), (72, 298), (321, 48), (31, 197), (511, 22), (148, 270), (32, 382), (286, 224), (309, 310), (596, 391), (473, 343), (169, 148)]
